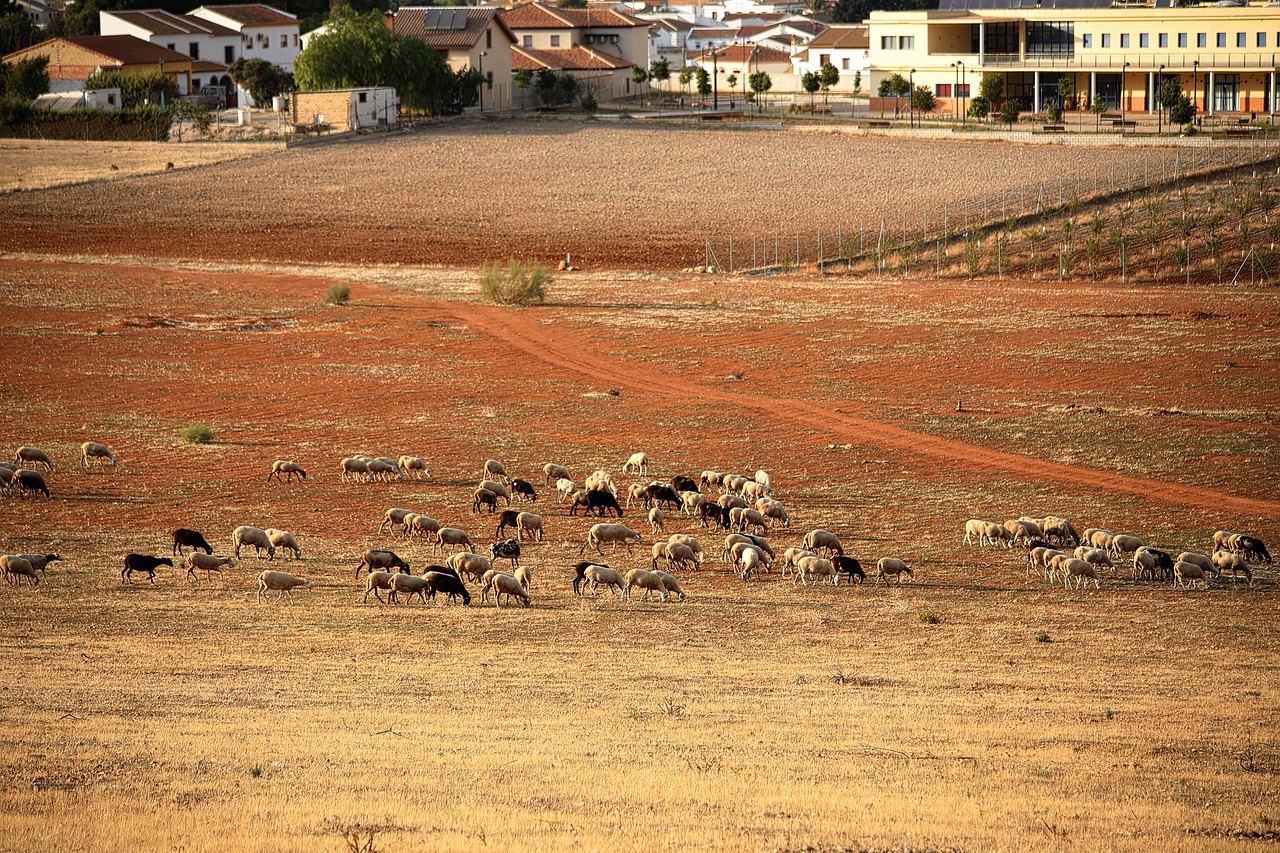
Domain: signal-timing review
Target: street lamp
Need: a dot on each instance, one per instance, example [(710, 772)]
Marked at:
[(715, 80), (483, 54), (1159, 105), (162, 85), (1195, 70), (955, 91), (911, 98), (964, 81), (1123, 73)]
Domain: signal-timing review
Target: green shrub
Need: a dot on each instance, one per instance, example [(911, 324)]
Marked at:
[(197, 434), (929, 618), (514, 283), (1043, 637), (337, 295)]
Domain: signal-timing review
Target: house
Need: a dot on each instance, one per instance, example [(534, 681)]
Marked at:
[(265, 32), (846, 46), (344, 109), (605, 76), (743, 60), (541, 27), (74, 59), (41, 13), (211, 46), (1223, 56), (468, 37)]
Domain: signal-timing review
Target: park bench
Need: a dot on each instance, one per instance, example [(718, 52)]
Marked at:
[(878, 123), (1054, 128), (1125, 123)]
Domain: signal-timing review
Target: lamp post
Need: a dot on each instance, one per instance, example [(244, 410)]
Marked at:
[(911, 98), (955, 90), (162, 78), (964, 81), (1159, 105), (1195, 71), (715, 80), (483, 54), (1123, 74)]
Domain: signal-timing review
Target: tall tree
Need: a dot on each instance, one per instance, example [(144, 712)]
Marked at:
[(811, 82), (660, 71), (760, 83), (25, 79), (830, 78), (522, 80), (17, 31)]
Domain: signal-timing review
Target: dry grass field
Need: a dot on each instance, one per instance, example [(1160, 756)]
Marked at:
[(975, 709)]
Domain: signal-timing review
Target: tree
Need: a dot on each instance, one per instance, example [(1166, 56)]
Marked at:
[(1009, 112), (760, 82), (262, 80), (522, 80), (572, 4), (17, 31), (894, 86), (980, 108), (567, 87), (1183, 111), (24, 80), (992, 88), (923, 100), (545, 81), (704, 82), (857, 83), (660, 71), (686, 74), (1098, 107), (856, 11), (639, 75), (1066, 92), (829, 77), (811, 81)]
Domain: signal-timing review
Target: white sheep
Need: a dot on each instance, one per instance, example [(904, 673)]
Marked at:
[(508, 585), (1082, 571), (198, 560), (383, 468), (646, 580), (393, 518), (410, 584), (747, 561), (452, 536), (758, 542), (1100, 539), (1201, 560), (657, 521), (529, 525), (692, 542), (283, 540), (638, 463), (1234, 563), (994, 532), (892, 566), (762, 477), (691, 502), (754, 491), (467, 563), (1186, 574), (289, 469), (731, 484), (974, 527), (281, 582), (94, 450), (672, 585), (32, 455), (1020, 530), (612, 533), (1123, 544), (484, 497), (772, 509), (1039, 558), (554, 472), (635, 493), (711, 478), (420, 526), (730, 502), (746, 517), (791, 556), (246, 535), (494, 470), (821, 541), (564, 488), (355, 469), (679, 555), (598, 576), (601, 480), (523, 575), (1096, 556), (376, 581), (815, 567), (1221, 539), (415, 465), (16, 568), (497, 488)]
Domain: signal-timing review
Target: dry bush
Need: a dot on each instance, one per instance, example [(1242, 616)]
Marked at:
[(514, 283)]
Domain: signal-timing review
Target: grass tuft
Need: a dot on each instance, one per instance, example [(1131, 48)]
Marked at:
[(197, 434), (514, 283), (929, 618), (1043, 637), (339, 294)]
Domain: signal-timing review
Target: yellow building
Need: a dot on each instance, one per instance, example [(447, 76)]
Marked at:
[(1225, 58)]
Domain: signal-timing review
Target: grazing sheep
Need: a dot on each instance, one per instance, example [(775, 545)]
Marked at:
[(27, 480), (748, 517), (1096, 556), (33, 455), (1201, 560), (564, 488), (657, 521), (40, 562), (415, 465), (740, 548), (731, 484), (1100, 539), (246, 535), (814, 567), (529, 525), (1082, 571), (1252, 548), (497, 488), (1123, 544), (409, 584), (997, 532), (772, 509), (682, 483), (7, 474), (672, 585), (638, 463), (1041, 556), (190, 538), (1221, 540), (508, 585), (16, 568), (494, 470), (453, 536), (289, 469), (735, 539), (690, 502), (746, 561), (710, 513), (974, 527), (728, 502), (710, 478), (1020, 530), (692, 542), (467, 563), (523, 489), (791, 556), (647, 581), (142, 563), (1186, 574), (762, 477), (508, 550), (381, 561), (613, 534), (420, 526), (754, 491), (596, 576), (848, 566), (678, 555), (207, 562), (554, 472), (283, 540), (94, 450), (888, 566), (1060, 531), (355, 468), (448, 584), (600, 480), (484, 497), (376, 581), (1153, 562), (819, 541), (636, 493), (282, 583), (1234, 563), (522, 575), (393, 518)]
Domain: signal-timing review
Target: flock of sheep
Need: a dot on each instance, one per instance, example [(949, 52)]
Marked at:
[(1096, 550), (745, 508)]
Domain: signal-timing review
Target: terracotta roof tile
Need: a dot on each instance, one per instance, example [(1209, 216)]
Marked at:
[(163, 23), (412, 21), (847, 38), (128, 50), (743, 53), (564, 59), (536, 16)]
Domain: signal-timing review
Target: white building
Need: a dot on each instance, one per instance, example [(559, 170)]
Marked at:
[(265, 32), (198, 38), (847, 47)]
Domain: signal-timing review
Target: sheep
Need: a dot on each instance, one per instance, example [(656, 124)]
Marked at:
[(1100, 539), (494, 470), (638, 463), (289, 469), (596, 576), (659, 494), (191, 538), (355, 469), (611, 533), (893, 566), (647, 581), (415, 465), (1123, 544), (467, 563), (994, 532), (731, 484), (1221, 538), (27, 480), (564, 488), (40, 562), (384, 468), (94, 450), (1201, 560), (1041, 557), (279, 582), (508, 585), (710, 478), (507, 518), (420, 525), (497, 488), (484, 497), (754, 491), (1186, 574), (207, 562), (523, 489), (32, 455), (740, 548), (682, 483), (7, 474), (791, 555), (757, 542), (554, 472), (529, 525), (691, 502), (657, 521), (452, 536), (1095, 556), (374, 582), (747, 561), (1153, 562), (450, 585), (246, 535), (815, 567), (636, 493), (974, 527), (410, 584), (1022, 530), (678, 554), (601, 480), (1236, 564), (522, 574), (747, 517), (762, 477), (672, 585), (381, 560), (848, 566), (16, 568), (142, 563), (692, 542), (283, 540), (393, 518), (508, 550), (822, 540), (710, 513), (727, 501), (1060, 530), (771, 509), (1082, 571), (1252, 548)]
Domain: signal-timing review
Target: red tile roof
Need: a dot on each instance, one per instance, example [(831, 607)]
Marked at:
[(564, 59), (843, 37), (412, 21), (163, 23), (255, 15), (743, 53), (536, 16), (127, 50)]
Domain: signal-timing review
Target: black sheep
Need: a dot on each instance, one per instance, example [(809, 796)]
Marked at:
[(524, 489), (191, 538), (601, 499), (142, 563), (450, 585)]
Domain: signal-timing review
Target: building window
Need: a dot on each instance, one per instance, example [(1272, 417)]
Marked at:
[(111, 99), (1124, 39), (824, 59), (1242, 40), (1086, 41), (555, 41), (1222, 39), (295, 40), (907, 42), (1164, 39), (1144, 41), (1226, 93), (962, 91), (1106, 40), (1002, 38), (527, 41), (1262, 39), (248, 43), (1202, 39), (195, 84), (364, 97), (1182, 39), (171, 46), (942, 90), (844, 64), (1051, 38), (194, 52), (888, 42), (284, 40), (228, 55)]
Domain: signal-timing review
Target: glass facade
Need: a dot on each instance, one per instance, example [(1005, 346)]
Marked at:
[(1051, 38)]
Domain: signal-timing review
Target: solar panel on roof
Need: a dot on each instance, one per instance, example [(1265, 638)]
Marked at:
[(445, 19)]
